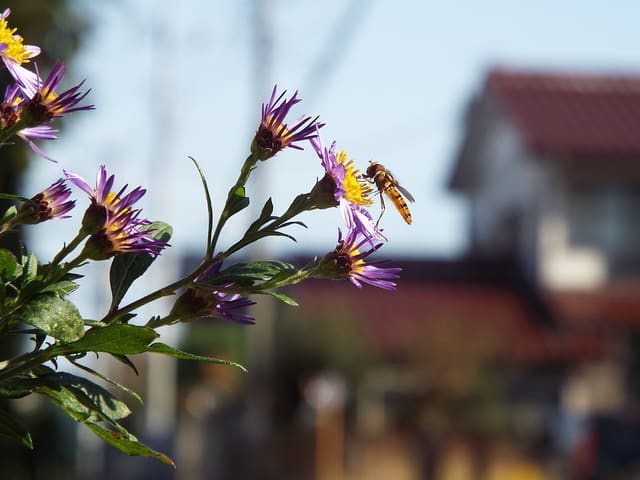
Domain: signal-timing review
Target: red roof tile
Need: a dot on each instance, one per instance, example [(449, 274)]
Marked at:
[(610, 307), (425, 315), (572, 115)]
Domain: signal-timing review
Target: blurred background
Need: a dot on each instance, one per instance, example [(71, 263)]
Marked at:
[(511, 348)]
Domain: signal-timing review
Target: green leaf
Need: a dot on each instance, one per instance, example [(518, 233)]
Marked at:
[(8, 265), (282, 297), (62, 288), (118, 339), (125, 361), (15, 198), (264, 217), (174, 352), (126, 268), (247, 274), (9, 214), (127, 443), (18, 387), (207, 196), (127, 390), (30, 267), (238, 201), (82, 399), (11, 428), (53, 315)]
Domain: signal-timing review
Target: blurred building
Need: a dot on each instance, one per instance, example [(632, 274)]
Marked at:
[(550, 166)]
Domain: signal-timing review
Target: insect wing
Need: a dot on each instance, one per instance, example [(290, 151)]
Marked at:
[(405, 192)]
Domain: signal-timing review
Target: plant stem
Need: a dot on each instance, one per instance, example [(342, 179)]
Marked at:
[(25, 363), (67, 249), (170, 289), (245, 172)]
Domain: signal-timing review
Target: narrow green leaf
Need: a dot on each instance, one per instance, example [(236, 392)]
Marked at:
[(264, 217), (174, 352), (53, 315), (238, 201), (80, 396), (15, 198), (118, 339), (8, 265), (282, 297), (9, 214), (207, 197), (18, 387), (125, 361), (281, 234), (10, 427), (30, 267), (126, 268), (128, 444), (248, 273), (131, 393), (62, 288), (295, 222)]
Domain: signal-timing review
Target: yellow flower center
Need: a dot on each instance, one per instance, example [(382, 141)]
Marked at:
[(356, 189), (48, 98), (111, 200), (15, 49), (278, 130), (346, 259)]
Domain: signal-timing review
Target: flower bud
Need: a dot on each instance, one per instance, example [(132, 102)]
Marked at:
[(94, 218)]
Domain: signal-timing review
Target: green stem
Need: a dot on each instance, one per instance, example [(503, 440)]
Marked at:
[(160, 322), (67, 249), (25, 363), (114, 316), (243, 177), (10, 132)]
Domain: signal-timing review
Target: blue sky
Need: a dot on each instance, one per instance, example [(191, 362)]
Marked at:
[(391, 80)]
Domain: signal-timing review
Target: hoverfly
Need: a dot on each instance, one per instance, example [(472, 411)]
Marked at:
[(387, 184)]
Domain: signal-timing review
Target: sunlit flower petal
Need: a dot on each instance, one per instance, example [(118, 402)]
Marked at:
[(205, 302), (114, 226), (275, 134), (51, 203), (348, 261)]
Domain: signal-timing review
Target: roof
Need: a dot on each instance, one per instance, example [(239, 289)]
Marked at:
[(461, 305), (571, 115), (610, 307)]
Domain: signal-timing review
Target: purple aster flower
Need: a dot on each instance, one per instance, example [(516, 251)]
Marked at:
[(348, 261), (350, 190), (12, 50), (30, 103), (200, 303), (51, 203), (274, 134), (203, 302), (44, 103), (114, 226), (11, 110)]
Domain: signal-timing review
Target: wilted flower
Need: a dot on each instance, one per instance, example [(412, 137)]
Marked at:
[(348, 261), (111, 221), (274, 134), (12, 50), (51, 203)]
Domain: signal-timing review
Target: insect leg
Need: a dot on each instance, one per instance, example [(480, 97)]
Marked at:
[(382, 207)]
